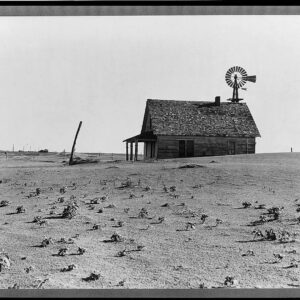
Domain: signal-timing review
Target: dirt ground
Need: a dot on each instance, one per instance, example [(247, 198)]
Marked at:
[(168, 244)]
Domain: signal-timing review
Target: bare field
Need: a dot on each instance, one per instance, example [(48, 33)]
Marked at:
[(176, 227)]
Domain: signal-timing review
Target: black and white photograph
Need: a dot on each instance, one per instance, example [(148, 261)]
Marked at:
[(150, 151)]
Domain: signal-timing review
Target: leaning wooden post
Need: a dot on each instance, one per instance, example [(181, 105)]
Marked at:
[(73, 148)]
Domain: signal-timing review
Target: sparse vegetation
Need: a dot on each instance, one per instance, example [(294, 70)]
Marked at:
[(160, 230)]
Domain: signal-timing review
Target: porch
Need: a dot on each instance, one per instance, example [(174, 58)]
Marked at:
[(149, 140)]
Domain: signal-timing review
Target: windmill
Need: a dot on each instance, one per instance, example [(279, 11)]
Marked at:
[(236, 77)]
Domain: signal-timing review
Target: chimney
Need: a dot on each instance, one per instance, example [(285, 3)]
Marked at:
[(217, 100)]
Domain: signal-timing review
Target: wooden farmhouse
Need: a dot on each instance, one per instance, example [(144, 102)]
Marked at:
[(174, 129)]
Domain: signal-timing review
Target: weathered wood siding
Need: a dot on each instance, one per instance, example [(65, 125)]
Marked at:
[(168, 146)]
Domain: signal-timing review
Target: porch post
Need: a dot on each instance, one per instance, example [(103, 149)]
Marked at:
[(131, 151), (126, 150), (136, 150)]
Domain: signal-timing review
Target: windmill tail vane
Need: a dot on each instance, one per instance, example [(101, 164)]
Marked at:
[(236, 77), (250, 78)]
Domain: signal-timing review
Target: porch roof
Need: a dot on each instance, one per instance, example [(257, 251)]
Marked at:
[(143, 137)]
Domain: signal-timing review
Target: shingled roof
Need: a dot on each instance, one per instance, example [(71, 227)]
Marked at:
[(200, 118)]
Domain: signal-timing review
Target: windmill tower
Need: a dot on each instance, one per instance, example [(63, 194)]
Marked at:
[(236, 77)]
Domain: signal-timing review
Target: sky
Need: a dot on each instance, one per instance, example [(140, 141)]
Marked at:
[(57, 71)]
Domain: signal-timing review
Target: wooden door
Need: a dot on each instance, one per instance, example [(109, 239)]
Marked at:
[(181, 148), (190, 148), (231, 148)]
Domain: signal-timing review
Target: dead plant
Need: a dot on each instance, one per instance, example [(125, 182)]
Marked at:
[(246, 204), (69, 212), (46, 242), (81, 251), (20, 209), (229, 280), (62, 251), (68, 268), (116, 238), (92, 277), (249, 253), (143, 213), (173, 188), (4, 203), (96, 227), (203, 217)]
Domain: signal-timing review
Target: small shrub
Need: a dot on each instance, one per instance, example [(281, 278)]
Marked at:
[(4, 203), (270, 235), (173, 188), (92, 277), (61, 199), (96, 226), (143, 213), (121, 253), (249, 253), (147, 188), (20, 209), (257, 233), (286, 237), (246, 204), (127, 184), (94, 201), (120, 223), (62, 251), (37, 219), (161, 219), (69, 212), (81, 251), (62, 190), (260, 206), (116, 238), (203, 217), (229, 280), (69, 268), (47, 242)]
